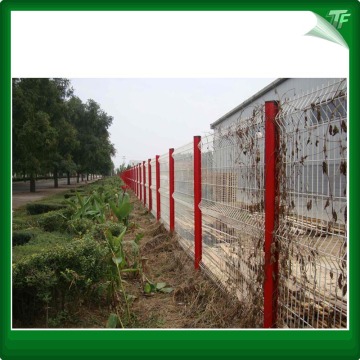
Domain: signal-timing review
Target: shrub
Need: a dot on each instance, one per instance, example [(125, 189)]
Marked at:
[(39, 242), (79, 226), (115, 228), (57, 279), (41, 208), (69, 195), (23, 222), (21, 237), (53, 220)]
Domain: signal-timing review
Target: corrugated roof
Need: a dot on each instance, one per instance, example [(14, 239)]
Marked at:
[(249, 101)]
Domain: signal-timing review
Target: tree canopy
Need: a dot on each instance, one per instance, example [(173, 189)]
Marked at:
[(54, 131)]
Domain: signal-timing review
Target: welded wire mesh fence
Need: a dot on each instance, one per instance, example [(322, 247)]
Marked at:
[(184, 195), (312, 231), (164, 189), (232, 207), (308, 251)]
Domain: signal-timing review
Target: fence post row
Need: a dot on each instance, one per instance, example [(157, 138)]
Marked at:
[(271, 216), (197, 200)]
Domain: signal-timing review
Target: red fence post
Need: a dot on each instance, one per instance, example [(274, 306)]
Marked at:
[(140, 188), (197, 200), (171, 190), (271, 216), (136, 181), (144, 187), (158, 209), (149, 182), (133, 179)]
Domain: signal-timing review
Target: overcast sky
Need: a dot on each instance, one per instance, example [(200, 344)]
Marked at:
[(153, 115), (164, 82)]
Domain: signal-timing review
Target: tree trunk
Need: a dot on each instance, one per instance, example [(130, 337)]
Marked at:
[(56, 180), (32, 183), (77, 177), (68, 177), (87, 176)]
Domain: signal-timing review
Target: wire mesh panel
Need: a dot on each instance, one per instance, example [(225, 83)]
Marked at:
[(164, 189), (153, 186), (312, 233), (184, 195), (233, 207)]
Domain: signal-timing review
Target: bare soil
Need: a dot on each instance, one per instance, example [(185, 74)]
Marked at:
[(195, 302)]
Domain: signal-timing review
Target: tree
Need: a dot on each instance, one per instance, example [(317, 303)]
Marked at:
[(53, 130), (34, 139), (35, 135), (93, 155)]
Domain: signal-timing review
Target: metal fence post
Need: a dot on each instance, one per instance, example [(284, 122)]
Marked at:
[(197, 200), (144, 183), (133, 178), (158, 209), (271, 215), (171, 190), (140, 178), (149, 183), (137, 181)]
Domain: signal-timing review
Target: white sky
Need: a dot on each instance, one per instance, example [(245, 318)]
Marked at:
[(153, 115), (166, 75)]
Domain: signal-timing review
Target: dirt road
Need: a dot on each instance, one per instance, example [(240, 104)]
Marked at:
[(44, 188)]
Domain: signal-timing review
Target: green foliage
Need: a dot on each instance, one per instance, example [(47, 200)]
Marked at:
[(21, 237), (80, 226), (116, 247), (122, 208), (57, 278), (40, 208), (96, 205), (98, 230), (55, 131), (150, 288), (113, 321), (53, 220), (93, 206), (70, 256), (39, 242)]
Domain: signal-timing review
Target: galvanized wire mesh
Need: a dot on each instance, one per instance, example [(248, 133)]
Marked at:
[(233, 207), (184, 195), (153, 187), (312, 233), (164, 190)]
